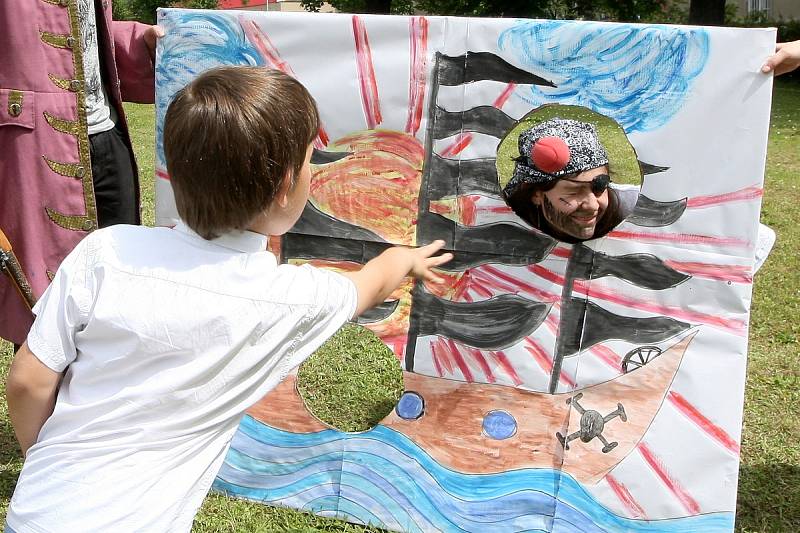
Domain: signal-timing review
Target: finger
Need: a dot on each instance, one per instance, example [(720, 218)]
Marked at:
[(430, 249), (771, 62), (439, 260), (433, 278)]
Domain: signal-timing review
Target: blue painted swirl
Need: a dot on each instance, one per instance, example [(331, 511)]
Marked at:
[(639, 75), (383, 478), (194, 42)]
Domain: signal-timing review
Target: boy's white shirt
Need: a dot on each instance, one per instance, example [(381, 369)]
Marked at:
[(166, 339)]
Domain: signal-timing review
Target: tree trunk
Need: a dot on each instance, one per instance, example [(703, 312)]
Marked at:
[(707, 12), (377, 6)]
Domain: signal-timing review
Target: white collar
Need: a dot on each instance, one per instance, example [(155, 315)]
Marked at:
[(240, 241)]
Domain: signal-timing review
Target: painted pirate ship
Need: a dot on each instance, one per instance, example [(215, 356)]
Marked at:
[(531, 375)]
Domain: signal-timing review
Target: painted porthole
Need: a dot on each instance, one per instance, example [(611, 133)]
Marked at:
[(499, 425), (411, 406)]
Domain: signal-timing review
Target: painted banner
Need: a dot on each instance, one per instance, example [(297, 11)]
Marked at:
[(595, 386)]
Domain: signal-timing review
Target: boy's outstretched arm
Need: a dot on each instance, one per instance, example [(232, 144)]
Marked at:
[(31, 394), (382, 275)]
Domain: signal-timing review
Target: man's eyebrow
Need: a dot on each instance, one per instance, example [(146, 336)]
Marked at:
[(576, 184)]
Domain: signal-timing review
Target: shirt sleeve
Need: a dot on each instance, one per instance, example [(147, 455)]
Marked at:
[(62, 312), (335, 301)]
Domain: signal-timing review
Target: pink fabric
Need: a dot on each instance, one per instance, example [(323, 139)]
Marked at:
[(27, 184)]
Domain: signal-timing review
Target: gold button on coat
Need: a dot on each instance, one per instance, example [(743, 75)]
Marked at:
[(75, 85), (14, 109)]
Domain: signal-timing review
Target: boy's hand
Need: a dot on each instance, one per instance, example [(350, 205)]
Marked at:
[(423, 261), (381, 276)]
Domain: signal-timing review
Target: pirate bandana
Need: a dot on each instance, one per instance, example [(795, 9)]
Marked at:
[(553, 149)]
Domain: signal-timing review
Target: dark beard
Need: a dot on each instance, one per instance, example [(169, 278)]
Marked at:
[(563, 226)]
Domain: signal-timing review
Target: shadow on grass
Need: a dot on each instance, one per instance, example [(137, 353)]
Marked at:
[(769, 498), (10, 464)]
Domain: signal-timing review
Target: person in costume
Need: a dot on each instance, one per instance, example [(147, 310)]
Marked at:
[(561, 182), (66, 166)]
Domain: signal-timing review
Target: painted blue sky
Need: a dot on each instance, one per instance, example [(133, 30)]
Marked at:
[(638, 75)]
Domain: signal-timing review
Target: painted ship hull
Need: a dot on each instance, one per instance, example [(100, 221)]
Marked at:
[(461, 408)]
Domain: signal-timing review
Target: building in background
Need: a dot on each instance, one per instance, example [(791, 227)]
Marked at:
[(774, 9)]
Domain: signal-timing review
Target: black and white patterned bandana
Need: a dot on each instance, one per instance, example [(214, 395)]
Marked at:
[(585, 152)]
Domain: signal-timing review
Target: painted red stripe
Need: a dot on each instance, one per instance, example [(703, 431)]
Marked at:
[(269, 52), (480, 291), (689, 503), (748, 193), (542, 295), (552, 323), (624, 495), (502, 359), (461, 286), (603, 293), (732, 273), (467, 283), (498, 209), (162, 174), (418, 29), (437, 364), (468, 209), (691, 412), (366, 74), (681, 238), (478, 357), (461, 142), (560, 251), (441, 355), (547, 274), (608, 356), (545, 361), (460, 362), (505, 95), (486, 280), (541, 359)]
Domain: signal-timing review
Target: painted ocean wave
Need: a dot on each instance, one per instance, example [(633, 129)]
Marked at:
[(383, 478)]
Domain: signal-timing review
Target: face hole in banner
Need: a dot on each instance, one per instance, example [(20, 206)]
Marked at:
[(569, 172), (352, 382)]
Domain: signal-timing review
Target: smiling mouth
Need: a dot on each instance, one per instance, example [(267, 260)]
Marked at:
[(585, 221)]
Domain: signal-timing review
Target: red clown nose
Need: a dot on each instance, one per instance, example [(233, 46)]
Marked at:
[(550, 154)]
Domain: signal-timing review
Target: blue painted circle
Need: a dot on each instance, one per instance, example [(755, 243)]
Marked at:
[(411, 406), (499, 425)]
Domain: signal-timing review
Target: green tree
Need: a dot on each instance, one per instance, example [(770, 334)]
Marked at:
[(623, 10), (397, 7), (145, 10)]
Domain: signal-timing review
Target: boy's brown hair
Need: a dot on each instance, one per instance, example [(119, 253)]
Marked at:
[(230, 138)]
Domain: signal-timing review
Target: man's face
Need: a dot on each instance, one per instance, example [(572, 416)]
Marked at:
[(571, 207)]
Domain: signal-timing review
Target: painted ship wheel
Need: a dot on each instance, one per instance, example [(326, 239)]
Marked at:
[(639, 357)]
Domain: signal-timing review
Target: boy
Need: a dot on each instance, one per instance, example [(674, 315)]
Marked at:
[(161, 338)]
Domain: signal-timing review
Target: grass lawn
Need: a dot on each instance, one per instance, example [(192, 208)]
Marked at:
[(769, 480)]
